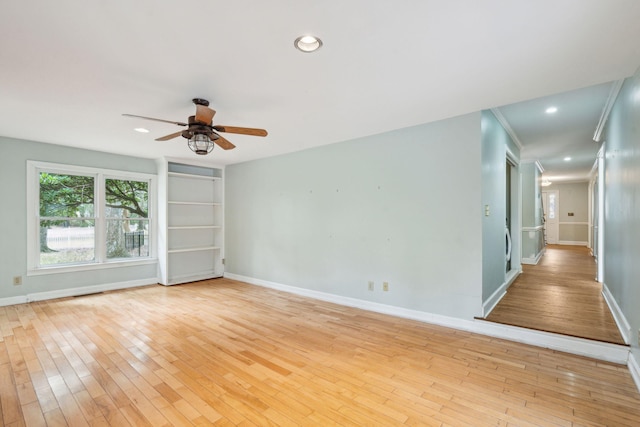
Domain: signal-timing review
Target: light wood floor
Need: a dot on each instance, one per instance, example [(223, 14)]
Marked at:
[(227, 353), (559, 294)]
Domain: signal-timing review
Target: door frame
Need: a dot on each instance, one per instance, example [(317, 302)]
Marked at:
[(516, 217)]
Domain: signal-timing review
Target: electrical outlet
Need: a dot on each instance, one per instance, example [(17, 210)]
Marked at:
[(370, 285), (17, 280), (385, 286)]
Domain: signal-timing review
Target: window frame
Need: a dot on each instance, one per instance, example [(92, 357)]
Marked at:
[(34, 168)]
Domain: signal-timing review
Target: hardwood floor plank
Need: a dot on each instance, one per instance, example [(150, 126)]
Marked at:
[(222, 352), (559, 295)]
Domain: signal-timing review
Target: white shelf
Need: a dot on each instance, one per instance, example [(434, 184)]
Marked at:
[(204, 248), (194, 223), (194, 227), (175, 202), (193, 277), (193, 176)]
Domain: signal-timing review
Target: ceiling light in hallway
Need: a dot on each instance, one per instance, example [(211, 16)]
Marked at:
[(551, 110), (307, 44)]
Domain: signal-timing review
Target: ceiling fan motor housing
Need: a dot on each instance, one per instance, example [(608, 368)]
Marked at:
[(200, 101)]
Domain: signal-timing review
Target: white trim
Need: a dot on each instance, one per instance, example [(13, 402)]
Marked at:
[(91, 266), (72, 292), (511, 157), (594, 170), (572, 243), (13, 300), (634, 370), (539, 166), (536, 228), (533, 261), (507, 127), (573, 223), (494, 299), (606, 110), (618, 315), (580, 346), (193, 162), (193, 176), (601, 212), (192, 277)]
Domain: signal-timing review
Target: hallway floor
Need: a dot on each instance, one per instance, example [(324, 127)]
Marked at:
[(559, 294)]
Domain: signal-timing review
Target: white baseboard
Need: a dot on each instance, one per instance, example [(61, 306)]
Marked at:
[(533, 261), (572, 243), (499, 293), (634, 369), (618, 315), (582, 347), (191, 278), (85, 290), (13, 300)]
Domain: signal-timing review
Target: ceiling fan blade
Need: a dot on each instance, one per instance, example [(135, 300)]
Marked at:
[(156, 120), (243, 131), (204, 114), (224, 143), (170, 136)]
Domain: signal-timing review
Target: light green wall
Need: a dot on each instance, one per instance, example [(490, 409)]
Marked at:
[(622, 205), (402, 207), (495, 141), (13, 247)]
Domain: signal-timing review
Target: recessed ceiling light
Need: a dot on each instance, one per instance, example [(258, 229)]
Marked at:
[(142, 130), (567, 159), (551, 110), (307, 44)]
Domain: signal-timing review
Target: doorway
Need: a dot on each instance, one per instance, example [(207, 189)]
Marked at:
[(550, 201)]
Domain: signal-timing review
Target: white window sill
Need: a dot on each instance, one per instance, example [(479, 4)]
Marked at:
[(89, 267)]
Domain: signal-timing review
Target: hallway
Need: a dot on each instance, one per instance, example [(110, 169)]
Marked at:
[(559, 295)]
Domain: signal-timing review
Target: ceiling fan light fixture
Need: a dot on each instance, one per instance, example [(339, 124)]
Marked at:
[(307, 43), (201, 144)]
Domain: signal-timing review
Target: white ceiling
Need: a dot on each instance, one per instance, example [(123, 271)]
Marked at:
[(69, 69), (550, 138)]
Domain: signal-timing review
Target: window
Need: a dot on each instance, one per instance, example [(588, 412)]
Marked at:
[(87, 217), (127, 218), (552, 206)]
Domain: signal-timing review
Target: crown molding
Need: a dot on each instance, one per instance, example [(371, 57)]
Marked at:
[(507, 127), (606, 110)]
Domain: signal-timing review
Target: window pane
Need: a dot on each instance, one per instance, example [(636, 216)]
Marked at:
[(67, 242), (127, 238), (66, 196), (552, 205), (126, 199)]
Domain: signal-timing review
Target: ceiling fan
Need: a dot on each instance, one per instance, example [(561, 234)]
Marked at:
[(200, 132)]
